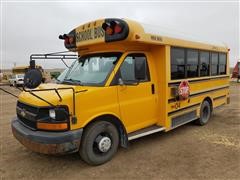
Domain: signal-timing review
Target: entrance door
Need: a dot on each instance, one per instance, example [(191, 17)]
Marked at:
[(136, 98)]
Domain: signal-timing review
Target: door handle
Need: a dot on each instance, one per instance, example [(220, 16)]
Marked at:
[(153, 89)]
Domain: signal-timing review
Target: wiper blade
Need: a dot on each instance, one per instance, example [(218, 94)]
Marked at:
[(72, 81)]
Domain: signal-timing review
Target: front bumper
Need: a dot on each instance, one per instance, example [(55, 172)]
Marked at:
[(47, 142)]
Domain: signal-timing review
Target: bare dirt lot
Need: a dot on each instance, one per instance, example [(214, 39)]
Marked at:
[(188, 152)]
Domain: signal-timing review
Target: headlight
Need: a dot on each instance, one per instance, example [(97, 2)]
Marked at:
[(52, 113)]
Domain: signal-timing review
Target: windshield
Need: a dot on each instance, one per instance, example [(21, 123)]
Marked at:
[(90, 69)]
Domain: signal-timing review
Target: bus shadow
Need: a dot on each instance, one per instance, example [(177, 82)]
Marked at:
[(74, 160)]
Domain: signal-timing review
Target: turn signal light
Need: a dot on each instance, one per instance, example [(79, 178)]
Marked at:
[(52, 126)]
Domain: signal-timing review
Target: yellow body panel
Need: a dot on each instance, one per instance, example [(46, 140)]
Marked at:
[(135, 106)]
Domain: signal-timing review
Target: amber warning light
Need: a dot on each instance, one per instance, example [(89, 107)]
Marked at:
[(115, 30), (112, 27)]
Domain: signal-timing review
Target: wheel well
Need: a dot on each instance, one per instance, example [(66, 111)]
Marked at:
[(117, 123), (210, 102)]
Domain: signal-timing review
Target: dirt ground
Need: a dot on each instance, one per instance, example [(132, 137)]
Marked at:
[(188, 152)]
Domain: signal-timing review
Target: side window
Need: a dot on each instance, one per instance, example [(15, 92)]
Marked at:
[(222, 63), (204, 63), (177, 63), (192, 63), (132, 63), (214, 64), (127, 69)]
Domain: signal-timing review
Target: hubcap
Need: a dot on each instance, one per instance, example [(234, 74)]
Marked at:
[(104, 144)]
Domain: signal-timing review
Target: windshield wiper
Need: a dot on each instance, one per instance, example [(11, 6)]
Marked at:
[(72, 81)]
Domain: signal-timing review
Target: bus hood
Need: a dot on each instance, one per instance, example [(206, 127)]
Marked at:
[(51, 96)]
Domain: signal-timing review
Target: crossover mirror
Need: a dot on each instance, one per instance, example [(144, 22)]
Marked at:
[(33, 77)]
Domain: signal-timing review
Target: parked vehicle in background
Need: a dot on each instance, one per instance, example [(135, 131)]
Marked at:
[(236, 71), (16, 80)]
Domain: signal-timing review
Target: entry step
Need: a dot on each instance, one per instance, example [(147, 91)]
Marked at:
[(145, 132)]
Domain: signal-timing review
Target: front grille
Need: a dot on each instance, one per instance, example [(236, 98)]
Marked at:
[(30, 124), (31, 109), (27, 114)]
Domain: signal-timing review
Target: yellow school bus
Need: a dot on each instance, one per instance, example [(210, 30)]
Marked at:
[(124, 84)]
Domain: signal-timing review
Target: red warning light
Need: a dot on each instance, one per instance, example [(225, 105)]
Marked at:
[(114, 27), (117, 28), (66, 40)]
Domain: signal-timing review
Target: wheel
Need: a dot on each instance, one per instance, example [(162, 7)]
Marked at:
[(99, 143), (205, 113)]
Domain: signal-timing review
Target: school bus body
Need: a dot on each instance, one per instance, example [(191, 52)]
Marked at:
[(135, 107)]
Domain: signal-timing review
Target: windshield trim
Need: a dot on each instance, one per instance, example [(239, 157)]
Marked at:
[(101, 84)]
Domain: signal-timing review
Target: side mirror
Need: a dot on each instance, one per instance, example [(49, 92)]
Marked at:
[(33, 77), (140, 69), (120, 82)]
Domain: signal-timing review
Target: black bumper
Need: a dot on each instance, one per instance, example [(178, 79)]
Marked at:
[(47, 142)]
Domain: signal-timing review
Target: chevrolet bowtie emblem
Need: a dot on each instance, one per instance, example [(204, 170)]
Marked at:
[(23, 113)]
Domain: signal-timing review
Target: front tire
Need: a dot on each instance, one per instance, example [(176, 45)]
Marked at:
[(99, 143), (205, 113)]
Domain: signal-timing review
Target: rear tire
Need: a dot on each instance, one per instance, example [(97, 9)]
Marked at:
[(99, 143), (205, 113)]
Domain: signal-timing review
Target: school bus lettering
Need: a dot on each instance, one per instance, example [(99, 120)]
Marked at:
[(119, 88), (156, 38), (89, 34)]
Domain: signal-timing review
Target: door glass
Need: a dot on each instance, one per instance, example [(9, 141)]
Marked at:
[(127, 69)]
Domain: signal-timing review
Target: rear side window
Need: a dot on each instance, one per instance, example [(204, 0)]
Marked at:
[(192, 63), (177, 63), (214, 64), (204, 63), (222, 63)]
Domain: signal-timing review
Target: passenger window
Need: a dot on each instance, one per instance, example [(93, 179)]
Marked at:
[(192, 63), (214, 64), (222, 63), (177, 63), (131, 63), (204, 63)]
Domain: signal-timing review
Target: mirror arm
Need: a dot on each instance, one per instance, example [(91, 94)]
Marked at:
[(60, 98), (65, 63), (134, 83), (40, 98), (9, 93)]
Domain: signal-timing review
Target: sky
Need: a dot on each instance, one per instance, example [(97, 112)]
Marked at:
[(34, 27)]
